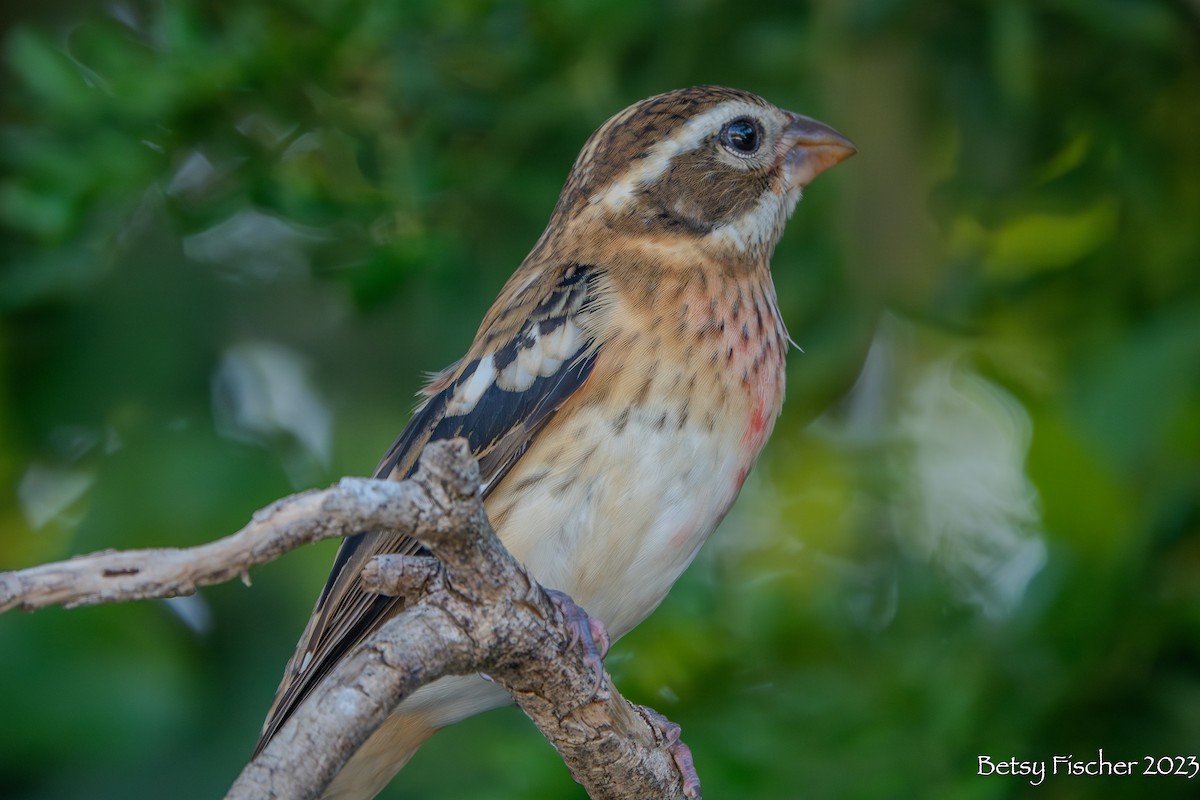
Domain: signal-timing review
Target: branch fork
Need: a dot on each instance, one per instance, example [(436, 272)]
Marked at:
[(472, 609)]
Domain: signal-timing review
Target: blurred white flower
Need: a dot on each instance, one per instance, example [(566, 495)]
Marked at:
[(47, 494), (261, 391), (945, 448), (966, 502), (255, 245)]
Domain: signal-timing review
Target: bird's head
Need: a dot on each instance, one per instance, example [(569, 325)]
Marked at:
[(718, 166)]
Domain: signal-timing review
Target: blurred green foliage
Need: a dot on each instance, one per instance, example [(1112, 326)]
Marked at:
[(235, 234)]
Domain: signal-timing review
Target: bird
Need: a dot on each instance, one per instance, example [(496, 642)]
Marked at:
[(616, 394)]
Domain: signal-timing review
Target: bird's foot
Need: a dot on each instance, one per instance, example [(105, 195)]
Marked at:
[(680, 752), (585, 629)]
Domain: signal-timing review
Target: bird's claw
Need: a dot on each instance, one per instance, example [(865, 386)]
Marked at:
[(585, 630), (681, 754)]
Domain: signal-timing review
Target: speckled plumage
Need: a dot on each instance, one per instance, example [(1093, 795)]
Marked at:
[(618, 391)]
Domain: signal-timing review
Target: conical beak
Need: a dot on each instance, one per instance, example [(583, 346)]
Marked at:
[(812, 147)]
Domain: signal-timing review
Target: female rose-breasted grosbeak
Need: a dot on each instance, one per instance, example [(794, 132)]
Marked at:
[(616, 394)]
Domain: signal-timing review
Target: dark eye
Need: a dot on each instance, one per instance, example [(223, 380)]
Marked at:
[(741, 136)]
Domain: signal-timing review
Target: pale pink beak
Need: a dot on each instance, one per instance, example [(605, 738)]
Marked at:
[(812, 147)]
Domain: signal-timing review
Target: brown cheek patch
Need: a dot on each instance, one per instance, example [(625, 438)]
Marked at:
[(699, 191)]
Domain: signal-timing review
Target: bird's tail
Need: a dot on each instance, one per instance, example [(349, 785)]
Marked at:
[(381, 757)]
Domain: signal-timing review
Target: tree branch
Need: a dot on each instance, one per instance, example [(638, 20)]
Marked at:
[(353, 505), (475, 610)]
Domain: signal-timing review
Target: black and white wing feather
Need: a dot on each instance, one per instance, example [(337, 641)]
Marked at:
[(534, 350)]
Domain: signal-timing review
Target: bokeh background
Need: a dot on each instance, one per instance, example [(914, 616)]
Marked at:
[(235, 234)]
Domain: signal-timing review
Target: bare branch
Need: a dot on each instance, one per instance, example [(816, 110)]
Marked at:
[(473, 609), (480, 612), (353, 505)]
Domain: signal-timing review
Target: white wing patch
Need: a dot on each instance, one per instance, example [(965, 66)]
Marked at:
[(540, 355), (468, 393)]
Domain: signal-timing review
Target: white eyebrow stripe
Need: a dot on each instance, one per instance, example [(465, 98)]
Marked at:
[(651, 168)]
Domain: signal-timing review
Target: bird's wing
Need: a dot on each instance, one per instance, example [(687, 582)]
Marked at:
[(533, 351)]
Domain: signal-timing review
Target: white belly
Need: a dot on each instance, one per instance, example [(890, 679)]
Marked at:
[(621, 513)]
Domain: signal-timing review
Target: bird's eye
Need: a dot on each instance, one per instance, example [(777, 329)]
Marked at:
[(741, 136)]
